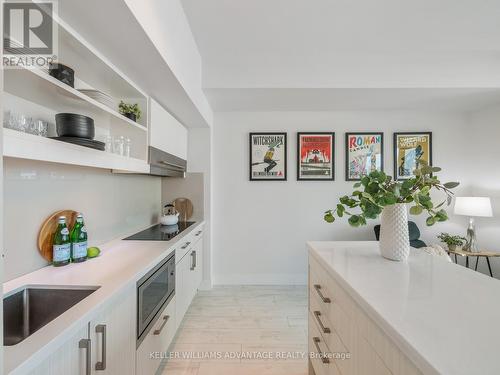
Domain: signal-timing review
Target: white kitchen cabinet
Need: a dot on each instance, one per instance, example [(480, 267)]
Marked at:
[(165, 132), (113, 336), (188, 274), (196, 266), (70, 358), (182, 287), (151, 351), (118, 321)]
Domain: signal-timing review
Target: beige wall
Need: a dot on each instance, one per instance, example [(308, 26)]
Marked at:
[(112, 205), (190, 187)]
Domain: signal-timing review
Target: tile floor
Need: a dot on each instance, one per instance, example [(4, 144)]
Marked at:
[(243, 330)]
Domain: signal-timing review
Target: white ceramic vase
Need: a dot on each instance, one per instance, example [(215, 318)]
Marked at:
[(394, 237)]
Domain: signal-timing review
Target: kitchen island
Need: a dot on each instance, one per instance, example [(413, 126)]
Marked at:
[(369, 315)]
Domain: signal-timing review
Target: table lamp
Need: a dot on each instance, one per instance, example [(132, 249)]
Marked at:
[(472, 207)]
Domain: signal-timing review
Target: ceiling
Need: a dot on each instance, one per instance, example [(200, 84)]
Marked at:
[(252, 50), (350, 99)]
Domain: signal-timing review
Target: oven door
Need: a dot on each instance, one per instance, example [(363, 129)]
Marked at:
[(153, 292)]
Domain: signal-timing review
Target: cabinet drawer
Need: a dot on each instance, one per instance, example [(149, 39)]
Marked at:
[(319, 349), (368, 360), (183, 247), (319, 288), (341, 355), (381, 344), (197, 234), (152, 350)]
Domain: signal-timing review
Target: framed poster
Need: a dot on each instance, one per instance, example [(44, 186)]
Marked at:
[(315, 156), (410, 151), (268, 156), (364, 153)]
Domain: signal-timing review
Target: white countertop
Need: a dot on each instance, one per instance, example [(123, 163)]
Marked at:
[(443, 316), (120, 265)]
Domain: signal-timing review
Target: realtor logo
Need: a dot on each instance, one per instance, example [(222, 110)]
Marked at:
[(29, 33)]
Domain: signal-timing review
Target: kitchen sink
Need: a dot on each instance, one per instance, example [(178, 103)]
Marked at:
[(28, 310)]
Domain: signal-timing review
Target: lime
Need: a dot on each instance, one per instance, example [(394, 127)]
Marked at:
[(93, 252)]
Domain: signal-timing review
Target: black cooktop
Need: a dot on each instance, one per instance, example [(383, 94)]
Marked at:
[(160, 232)]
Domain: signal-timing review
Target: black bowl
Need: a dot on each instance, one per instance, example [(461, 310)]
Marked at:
[(63, 73), (73, 125)]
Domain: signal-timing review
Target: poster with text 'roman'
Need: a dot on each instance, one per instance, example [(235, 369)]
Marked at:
[(268, 156), (412, 150), (364, 154), (315, 156)]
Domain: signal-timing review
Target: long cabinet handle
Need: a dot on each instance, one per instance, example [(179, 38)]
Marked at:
[(323, 357), (323, 298), (317, 315), (193, 260), (198, 233), (165, 320), (186, 245), (99, 366), (85, 344)]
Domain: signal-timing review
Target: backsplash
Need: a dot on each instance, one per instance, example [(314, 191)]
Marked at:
[(112, 205)]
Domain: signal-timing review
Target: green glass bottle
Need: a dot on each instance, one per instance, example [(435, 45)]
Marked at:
[(78, 238), (61, 245)]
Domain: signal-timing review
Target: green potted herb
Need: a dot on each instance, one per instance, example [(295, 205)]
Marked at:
[(453, 242), (131, 111), (378, 195)]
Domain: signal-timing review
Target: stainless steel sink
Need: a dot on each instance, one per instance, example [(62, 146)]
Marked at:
[(28, 310)]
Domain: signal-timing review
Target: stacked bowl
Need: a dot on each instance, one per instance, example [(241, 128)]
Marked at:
[(77, 129)]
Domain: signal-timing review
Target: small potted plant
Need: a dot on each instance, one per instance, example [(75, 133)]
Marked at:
[(131, 111), (453, 242)]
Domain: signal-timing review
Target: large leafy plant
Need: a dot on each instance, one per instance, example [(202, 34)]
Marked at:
[(378, 190)]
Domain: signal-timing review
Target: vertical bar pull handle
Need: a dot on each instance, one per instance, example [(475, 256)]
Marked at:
[(85, 344), (193, 260), (100, 366)]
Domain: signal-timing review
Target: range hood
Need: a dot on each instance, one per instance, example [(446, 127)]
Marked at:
[(163, 164)]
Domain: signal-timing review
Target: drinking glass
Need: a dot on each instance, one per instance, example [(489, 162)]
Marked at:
[(32, 127), (109, 143), (41, 128), (22, 123), (119, 145), (128, 147), (6, 119)]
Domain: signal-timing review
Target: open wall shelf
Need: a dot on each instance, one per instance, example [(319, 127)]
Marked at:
[(35, 93), (26, 146), (38, 87)]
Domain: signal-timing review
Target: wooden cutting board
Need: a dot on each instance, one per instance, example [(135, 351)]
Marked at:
[(184, 207), (48, 228)]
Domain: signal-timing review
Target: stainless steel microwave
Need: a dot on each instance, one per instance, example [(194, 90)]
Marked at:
[(154, 291)]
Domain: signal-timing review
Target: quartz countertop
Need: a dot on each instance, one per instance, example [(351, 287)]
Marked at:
[(442, 316), (120, 265)]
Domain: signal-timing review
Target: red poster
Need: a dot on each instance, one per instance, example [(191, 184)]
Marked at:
[(315, 151)]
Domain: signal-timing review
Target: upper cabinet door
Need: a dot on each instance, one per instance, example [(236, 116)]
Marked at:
[(165, 132)]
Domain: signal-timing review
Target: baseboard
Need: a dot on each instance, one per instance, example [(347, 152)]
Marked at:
[(205, 285), (261, 279)]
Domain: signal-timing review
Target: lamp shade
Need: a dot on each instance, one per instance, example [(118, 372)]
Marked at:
[(473, 206)]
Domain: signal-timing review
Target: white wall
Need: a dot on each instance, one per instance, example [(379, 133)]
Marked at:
[(200, 161), (260, 228), (484, 155), (165, 22), (112, 205)]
